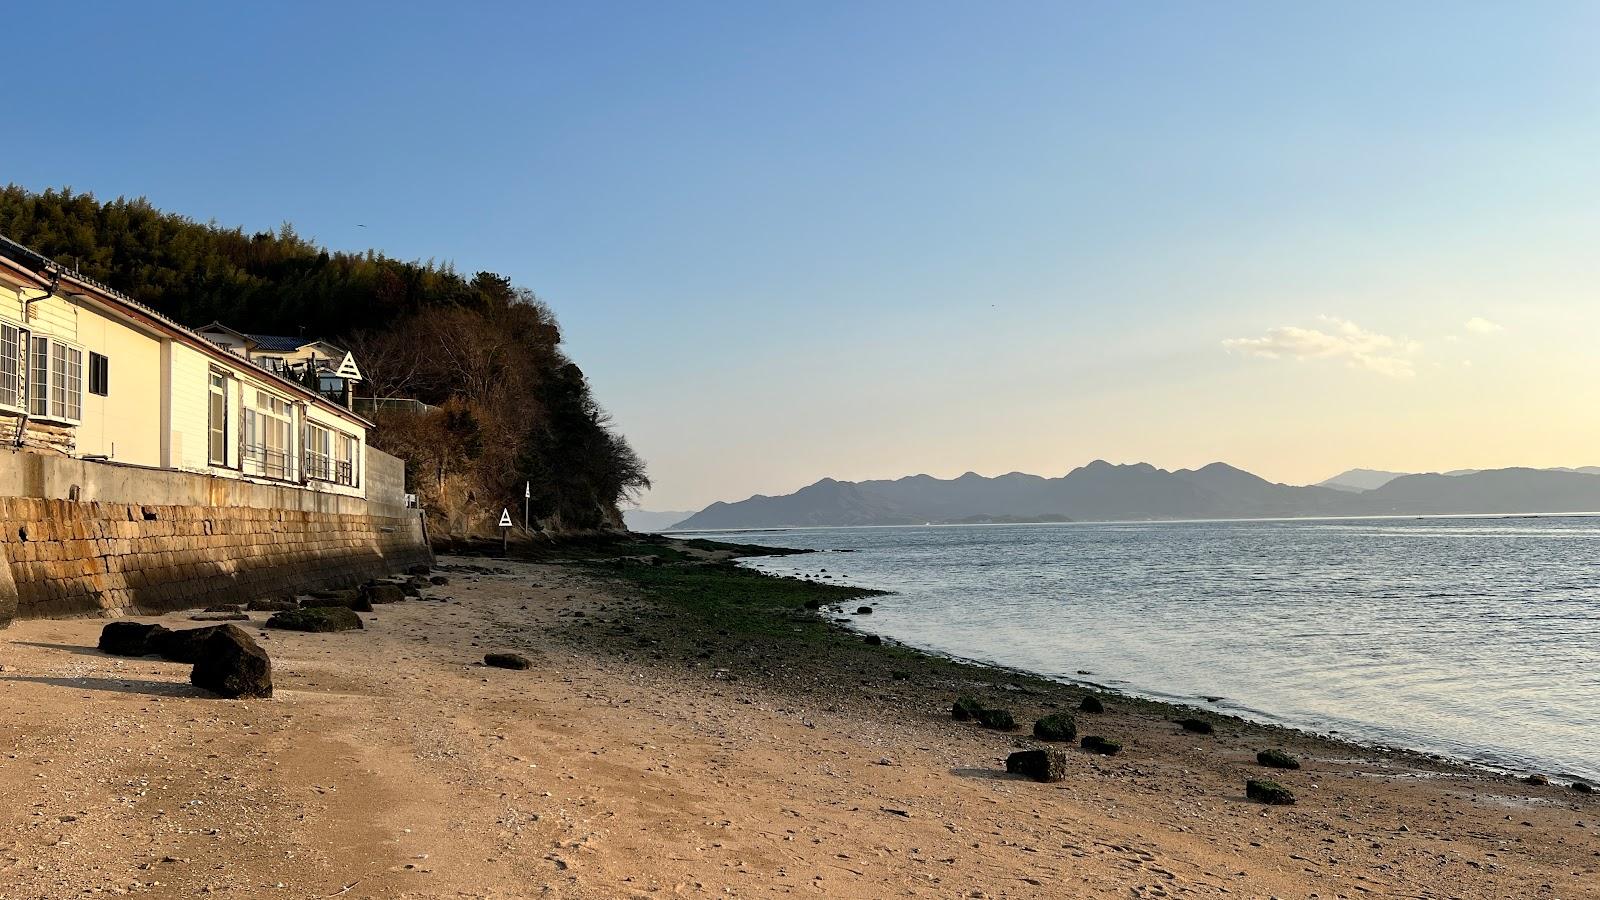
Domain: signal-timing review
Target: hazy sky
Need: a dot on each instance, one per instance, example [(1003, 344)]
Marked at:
[(869, 239)]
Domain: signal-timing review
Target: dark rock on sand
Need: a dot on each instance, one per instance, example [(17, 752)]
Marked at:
[(184, 645), (1040, 765), (1091, 704), (966, 707), (224, 608), (507, 661), (1583, 787), (873, 640), (351, 599), (317, 618), (863, 610), (1197, 726), (418, 570), (129, 638), (1536, 780), (220, 617), (438, 581), (1056, 727), (998, 719), (233, 665), (1268, 792), (1096, 744), (273, 605), (1277, 759), (378, 592)]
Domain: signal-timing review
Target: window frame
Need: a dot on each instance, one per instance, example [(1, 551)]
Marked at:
[(99, 370), (270, 413), (45, 383), (213, 439), (322, 461), (21, 357)]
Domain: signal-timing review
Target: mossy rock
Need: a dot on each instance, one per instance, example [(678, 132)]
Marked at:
[(1536, 780), (1268, 792), (1103, 746), (966, 707), (1091, 704), (1196, 726), (1040, 765), (998, 719), (1056, 727), (1277, 759), (317, 619), (872, 640)]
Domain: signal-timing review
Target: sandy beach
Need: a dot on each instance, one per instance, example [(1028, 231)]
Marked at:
[(649, 754)]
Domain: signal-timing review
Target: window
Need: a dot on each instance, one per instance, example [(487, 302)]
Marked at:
[(55, 384), (13, 365), (99, 375), (266, 437), (330, 455), (219, 419)]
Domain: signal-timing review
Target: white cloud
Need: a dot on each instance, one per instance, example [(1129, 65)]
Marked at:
[(1478, 325), (1336, 339)]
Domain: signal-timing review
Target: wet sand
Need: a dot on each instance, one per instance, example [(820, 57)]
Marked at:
[(645, 756)]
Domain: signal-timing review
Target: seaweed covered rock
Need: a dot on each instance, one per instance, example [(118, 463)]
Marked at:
[(1196, 726), (872, 640), (1268, 792), (130, 638), (1103, 746), (1056, 727), (507, 661), (273, 605), (1091, 704), (317, 618), (231, 664), (998, 719), (1277, 759), (378, 592), (966, 707), (1040, 765), (1536, 780), (184, 645), (1583, 787)]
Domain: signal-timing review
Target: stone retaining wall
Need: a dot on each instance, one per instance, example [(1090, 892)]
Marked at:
[(65, 557)]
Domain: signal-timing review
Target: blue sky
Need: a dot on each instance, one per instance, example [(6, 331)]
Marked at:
[(789, 241)]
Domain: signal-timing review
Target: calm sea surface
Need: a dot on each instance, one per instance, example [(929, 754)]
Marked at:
[(1479, 638)]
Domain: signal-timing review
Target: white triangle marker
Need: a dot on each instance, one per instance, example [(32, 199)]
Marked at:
[(505, 517)]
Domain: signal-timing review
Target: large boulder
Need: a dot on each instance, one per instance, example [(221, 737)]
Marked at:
[(378, 592), (232, 665), (183, 646), (130, 638), (998, 719), (317, 618), (1056, 727), (1040, 765)]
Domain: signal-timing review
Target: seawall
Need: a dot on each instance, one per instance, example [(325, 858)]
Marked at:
[(85, 538)]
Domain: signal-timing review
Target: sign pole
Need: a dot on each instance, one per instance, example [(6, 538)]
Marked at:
[(527, 496)]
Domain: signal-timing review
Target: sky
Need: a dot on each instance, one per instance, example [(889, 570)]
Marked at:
[(871, 239)]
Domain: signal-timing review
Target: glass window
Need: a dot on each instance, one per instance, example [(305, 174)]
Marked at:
[(55, 380), (12, 365), (99, 375), (266, 438), (219, 419)]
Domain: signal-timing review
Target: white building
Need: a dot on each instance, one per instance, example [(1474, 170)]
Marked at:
[(91, 373)]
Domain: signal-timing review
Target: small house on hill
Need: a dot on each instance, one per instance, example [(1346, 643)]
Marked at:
[(88, 372)]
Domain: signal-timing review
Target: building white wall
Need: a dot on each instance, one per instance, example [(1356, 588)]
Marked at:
[(124, 425)]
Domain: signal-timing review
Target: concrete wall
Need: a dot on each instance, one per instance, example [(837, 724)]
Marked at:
[(91, 538)]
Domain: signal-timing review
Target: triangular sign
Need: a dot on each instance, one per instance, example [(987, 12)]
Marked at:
[(505, 517), (347, 368)]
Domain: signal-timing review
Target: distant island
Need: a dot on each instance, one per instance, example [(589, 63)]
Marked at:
[(1101, 491)]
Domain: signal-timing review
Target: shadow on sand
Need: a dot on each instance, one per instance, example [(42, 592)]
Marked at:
[(115, 685)]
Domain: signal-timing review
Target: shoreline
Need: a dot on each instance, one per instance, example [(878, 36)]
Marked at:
[(690, 728)]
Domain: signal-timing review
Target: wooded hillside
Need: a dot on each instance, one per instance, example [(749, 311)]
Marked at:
[(512, 406)]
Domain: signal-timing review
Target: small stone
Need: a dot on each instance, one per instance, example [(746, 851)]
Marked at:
[(1536, 780), (507, 661), (1197, 726), (872, 640), (1582, 787)]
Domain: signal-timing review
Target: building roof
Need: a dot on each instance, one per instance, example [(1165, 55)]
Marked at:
[(277, 342), (42, 268)]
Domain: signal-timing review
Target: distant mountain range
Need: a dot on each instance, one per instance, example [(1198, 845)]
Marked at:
[(1101, 491), (647, 520)]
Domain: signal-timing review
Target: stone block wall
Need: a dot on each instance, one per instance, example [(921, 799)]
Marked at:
[(225, 542)]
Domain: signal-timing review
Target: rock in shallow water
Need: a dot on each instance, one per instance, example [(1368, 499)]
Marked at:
[(1040, 765), (231, 664)]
